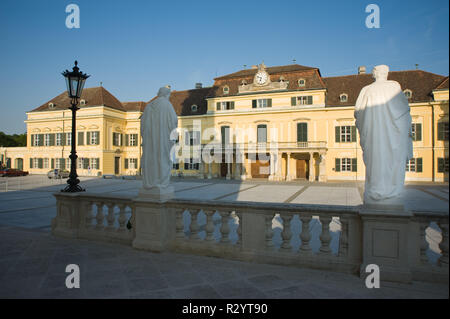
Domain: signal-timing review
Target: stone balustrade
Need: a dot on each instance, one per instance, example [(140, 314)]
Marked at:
[(398, 242)]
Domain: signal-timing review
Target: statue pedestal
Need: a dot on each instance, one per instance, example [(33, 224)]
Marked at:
[(157, 193), (391, 204)]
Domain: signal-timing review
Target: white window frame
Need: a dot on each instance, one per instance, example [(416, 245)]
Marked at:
[(57, 163), (346, 134), (132, 163), (408, 92), (94, 138), (346, 164), (262, 103), (301, 85), (302, 100), (343, 98), (411, 165), (35, 162), (58, 139), (226, 90), (68, 161), (191, 164), (46, 139), (93, 163), (45, 163), (133, 140), (36, 140), (69, 138)]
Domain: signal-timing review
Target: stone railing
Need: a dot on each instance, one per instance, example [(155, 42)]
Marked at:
[(266, 146), (336, 238)]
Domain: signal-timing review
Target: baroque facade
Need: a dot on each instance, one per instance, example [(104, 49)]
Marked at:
[(280, 123)]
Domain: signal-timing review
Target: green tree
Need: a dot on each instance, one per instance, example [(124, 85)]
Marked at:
[(13, 140)]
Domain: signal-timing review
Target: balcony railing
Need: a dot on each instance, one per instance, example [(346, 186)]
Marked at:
[(349, 238), (310, 145)]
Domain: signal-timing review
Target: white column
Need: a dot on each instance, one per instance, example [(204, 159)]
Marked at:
[(228, 171), (201, 170), (271, 167), (288, 167), (312, 168), (322, 168)]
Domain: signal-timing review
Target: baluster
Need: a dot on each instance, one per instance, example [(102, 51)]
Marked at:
[(443, 245), (343, 241), (305, 236), (269, 231), (194, 226), (325, 236), (100, 216), (110, 218), (122, 218), (225, 229), (209, 226), (286, 234), (423, 242), (239, 229), (179, 224), (90, 216)]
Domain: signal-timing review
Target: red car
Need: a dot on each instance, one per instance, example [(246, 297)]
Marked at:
[(8, 172)]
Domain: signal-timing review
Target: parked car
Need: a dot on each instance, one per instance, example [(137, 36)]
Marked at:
[(58, 173), (12, 172)]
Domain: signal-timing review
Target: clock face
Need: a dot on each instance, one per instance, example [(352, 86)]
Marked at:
[(261, 77)]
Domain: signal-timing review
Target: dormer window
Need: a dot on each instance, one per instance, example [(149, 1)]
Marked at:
[(301, 82), (244, 82), (408, 93), (82, 102), (282, 79), (226, 90), (343, 98), (51, 105), (194, 108)]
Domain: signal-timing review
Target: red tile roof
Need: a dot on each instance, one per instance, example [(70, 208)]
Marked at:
[(97, 96)]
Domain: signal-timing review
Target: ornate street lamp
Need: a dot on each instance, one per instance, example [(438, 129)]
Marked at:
[(75, 83)]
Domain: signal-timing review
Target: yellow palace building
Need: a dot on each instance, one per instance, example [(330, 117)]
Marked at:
[(280, 123)]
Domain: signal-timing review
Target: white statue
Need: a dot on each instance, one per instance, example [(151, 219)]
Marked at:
[(158, 121), (383, 120)]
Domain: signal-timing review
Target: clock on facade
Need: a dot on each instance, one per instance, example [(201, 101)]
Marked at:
[(261, 77)]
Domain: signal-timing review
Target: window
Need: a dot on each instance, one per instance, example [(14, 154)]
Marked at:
[(58, 139), (222, 106), (36, 139), (416, 130), (194, 108), (132, 163), (51, 105), (175, 165), (132, 139), (192, 138), (36, 162), (190, 164), (302, 100), (94, 163), (414, 165), (345, 134), (302, 132), (117, 139), (262, 133), (443, 165), (343, 97), (226, 90), (69, 138), (93, 138), (261, 103), (68, 163), (408, 93), (225, 135), (443, 131), (45, 162), (82, 102), (301, 82), (346, 165)]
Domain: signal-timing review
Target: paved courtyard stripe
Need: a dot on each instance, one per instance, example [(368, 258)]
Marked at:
[(193, 187), (430, 193), (241, 190), (23, 209), (294, 196)]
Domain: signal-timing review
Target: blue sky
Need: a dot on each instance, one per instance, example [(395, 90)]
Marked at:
[(134, 47)]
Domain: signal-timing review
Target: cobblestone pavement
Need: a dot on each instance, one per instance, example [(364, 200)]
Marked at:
[(33, 263)]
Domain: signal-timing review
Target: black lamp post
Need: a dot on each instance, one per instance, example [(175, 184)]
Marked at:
[(75, 83)]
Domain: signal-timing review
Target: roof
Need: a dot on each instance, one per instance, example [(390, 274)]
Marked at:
[(134, 106), (96, 96), (443, 85), (421, 83), (182, 101), (270, 70)]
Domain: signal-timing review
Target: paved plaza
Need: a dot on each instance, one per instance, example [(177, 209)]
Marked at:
[(32, 261)]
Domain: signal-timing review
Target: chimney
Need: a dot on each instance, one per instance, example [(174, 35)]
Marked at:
[(362, 70), (198, 85)]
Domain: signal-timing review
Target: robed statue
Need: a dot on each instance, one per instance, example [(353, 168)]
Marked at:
[(383, 120), (158, 121)]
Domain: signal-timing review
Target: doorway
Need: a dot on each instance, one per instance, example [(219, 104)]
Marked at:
[(116, 165), (302, 169)]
